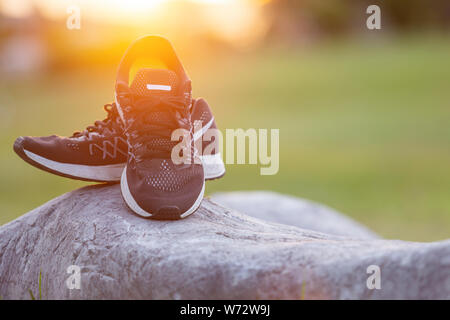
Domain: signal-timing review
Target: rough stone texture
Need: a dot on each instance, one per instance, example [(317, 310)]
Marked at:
[(284, 209), (217, 253)]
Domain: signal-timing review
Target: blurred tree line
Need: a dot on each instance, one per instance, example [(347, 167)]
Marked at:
[(97, 44), (298, 19)]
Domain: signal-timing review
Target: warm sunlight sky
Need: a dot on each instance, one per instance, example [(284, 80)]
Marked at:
[(228, 18)]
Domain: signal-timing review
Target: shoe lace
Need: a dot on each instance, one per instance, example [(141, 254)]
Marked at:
[(148, 137), (110, 123)]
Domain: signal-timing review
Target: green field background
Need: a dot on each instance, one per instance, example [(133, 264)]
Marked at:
[(364, 127)]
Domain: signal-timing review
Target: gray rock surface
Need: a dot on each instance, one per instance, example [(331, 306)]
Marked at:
[(284, 209), (217, 253)]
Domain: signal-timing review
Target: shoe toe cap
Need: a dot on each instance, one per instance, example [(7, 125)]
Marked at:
[(159, 203)]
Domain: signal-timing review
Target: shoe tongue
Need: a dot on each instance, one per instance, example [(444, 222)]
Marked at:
[(155, 82)]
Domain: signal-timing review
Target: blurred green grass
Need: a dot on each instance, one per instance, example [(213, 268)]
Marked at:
[(364, 128)]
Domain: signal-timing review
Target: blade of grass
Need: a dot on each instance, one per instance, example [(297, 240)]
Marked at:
[(302, 293), (40, 280), (31, 294)]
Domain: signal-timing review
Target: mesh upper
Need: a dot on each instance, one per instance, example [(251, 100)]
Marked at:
[(138, 87), (162, 174), (167, 178)]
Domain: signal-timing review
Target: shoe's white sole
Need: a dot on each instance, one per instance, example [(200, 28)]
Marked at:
[(132, 204), (106, 173), (213, 167)]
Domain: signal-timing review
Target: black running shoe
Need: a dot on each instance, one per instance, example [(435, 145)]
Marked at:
[(157, 103), (96, 154), (99, 153)]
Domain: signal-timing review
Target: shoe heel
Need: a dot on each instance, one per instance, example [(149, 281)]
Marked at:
[(213, 166)]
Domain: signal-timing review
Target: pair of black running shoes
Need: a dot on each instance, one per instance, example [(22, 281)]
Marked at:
[(147, 141)]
